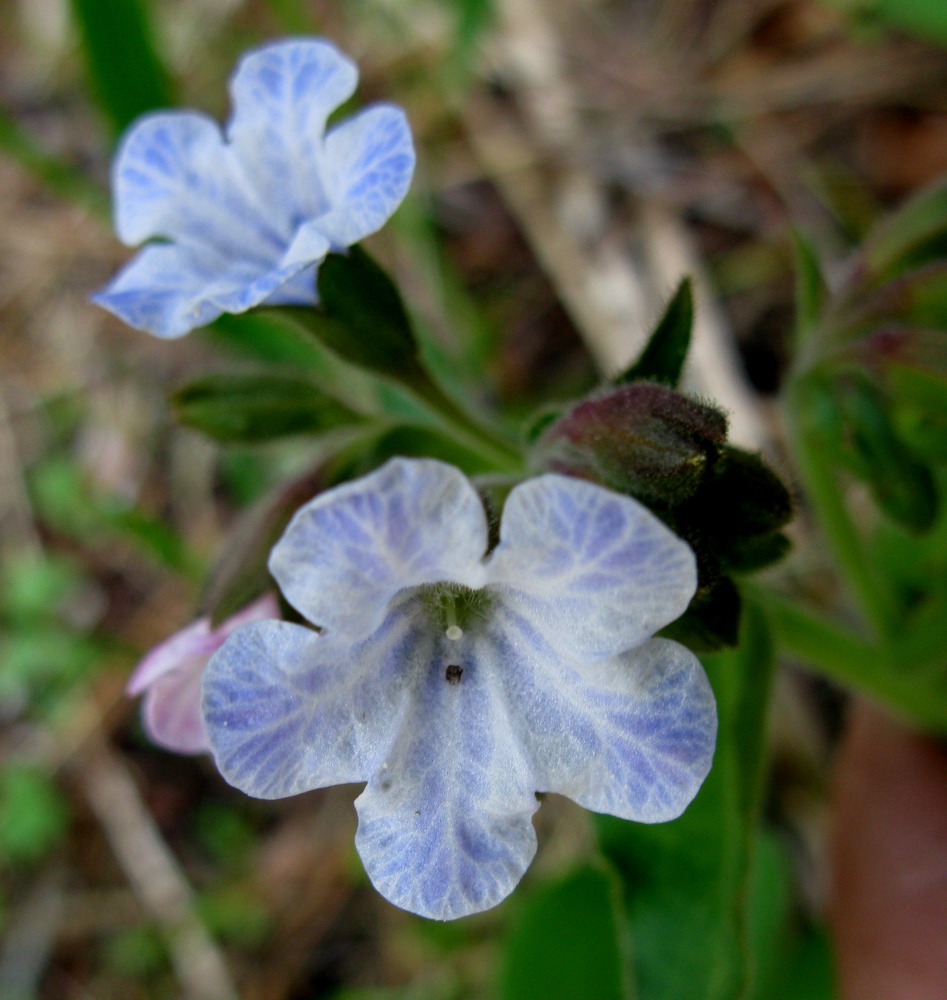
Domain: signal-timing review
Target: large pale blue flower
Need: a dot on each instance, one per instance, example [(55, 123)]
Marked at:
[(246, 217), (458, 685)]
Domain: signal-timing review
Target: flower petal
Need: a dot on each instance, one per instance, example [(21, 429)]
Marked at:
[(174, 177), (348, 552), (172, 709), (287, 710), (169, 290), (631, 736), (445, 824), (282, 95), (193, 640), (170, 676), (369, 162), (161, 290), (595, 571)]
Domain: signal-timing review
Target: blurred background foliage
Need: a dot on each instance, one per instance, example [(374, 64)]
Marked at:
[(576, 160)]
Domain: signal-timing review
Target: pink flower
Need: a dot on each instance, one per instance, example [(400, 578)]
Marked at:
[(170, 678)]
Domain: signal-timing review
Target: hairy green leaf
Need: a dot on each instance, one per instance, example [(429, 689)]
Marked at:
[(664, 355), (258, 407)]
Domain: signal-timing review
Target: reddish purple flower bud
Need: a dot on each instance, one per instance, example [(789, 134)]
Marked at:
[(170, 678), (642, 438)]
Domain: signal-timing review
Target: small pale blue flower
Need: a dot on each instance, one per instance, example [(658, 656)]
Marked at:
[(246, 219), (458, 685)]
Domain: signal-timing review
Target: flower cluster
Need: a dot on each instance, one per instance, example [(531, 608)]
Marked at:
[(246, 218), (456, 681), (459, 684)]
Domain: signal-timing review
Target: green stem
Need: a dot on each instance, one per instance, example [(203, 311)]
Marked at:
[(807, 419), (501, 452)]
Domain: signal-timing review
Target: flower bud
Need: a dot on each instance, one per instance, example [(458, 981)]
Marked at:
[(642, 438)]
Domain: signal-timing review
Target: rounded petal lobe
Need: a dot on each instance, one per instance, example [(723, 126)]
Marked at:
[(287, 710), (632, 736), (172, 709), (349, 551), (594, 571), (369, 162), (170, 290), (282, 95), (174, 177), (195, 639), (445, 824), (162, 289)]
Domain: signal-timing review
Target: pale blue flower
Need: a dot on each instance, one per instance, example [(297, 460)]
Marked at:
[(247, 217), (458, 685)]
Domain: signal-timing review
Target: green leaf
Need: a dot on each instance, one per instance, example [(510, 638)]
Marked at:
[(236, 915), (888, 675), (666, 351), (151, 535), (473, 19), (925, 18), (770, 914), (35, 587), (901, 484), (539, 421), (792, 959), (136, 952), (266, 335), (67, 501), (365, 320), (569, 942), (123, 65), (914, 235), (687, 880), (810, 969), (33, 815), (810, 291), (258, 407), (292, 16)]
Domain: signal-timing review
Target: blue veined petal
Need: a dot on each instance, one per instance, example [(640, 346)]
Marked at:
[(595, 571), (170, 289), (308, 245), (282, 95), (287, 710), (162, 290), (631, 736), (174, 177), (300, 290), (445, 823), (349, 551), (368, 165)]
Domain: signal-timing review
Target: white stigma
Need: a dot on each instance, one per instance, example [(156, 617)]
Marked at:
[(454, 632)]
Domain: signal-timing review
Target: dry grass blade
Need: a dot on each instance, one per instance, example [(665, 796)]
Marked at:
[(153, 872)]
